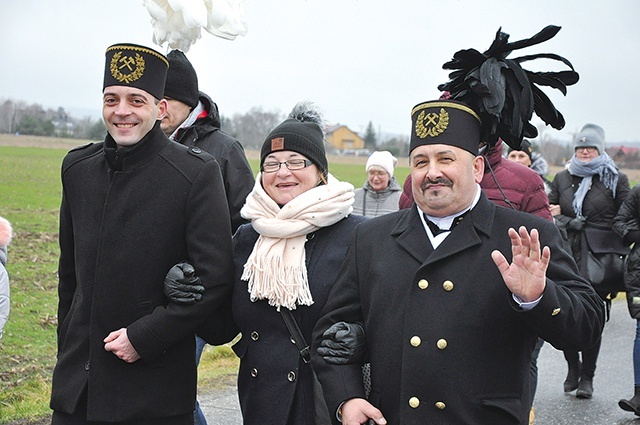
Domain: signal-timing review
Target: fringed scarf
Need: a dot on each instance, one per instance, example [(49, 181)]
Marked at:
[(276, 268), (603, 166)]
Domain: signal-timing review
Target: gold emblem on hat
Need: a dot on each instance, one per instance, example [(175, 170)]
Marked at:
[(430, 124), (126, 69)]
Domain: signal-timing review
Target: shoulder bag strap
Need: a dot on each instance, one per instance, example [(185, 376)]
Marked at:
[(296, 334)]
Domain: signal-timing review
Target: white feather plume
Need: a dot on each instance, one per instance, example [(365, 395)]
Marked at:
[(179, 22)]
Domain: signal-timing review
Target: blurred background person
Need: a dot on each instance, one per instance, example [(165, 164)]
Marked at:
[(588, 194), (534, 160), (627, 224), (5, 239), (381, 192)]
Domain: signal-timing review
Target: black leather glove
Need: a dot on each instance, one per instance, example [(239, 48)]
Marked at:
[(182, 286), (633, 236), (343, 343), (576, 224)]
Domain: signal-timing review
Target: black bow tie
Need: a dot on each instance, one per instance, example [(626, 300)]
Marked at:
[(436, 230)]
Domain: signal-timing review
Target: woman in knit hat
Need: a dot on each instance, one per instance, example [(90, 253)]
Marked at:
[(286, 261), (587, 195), (381, 192), (5, 239)]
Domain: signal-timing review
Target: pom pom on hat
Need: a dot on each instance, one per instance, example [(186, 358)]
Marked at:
[(591, 136), (182, 80), (382, 159)]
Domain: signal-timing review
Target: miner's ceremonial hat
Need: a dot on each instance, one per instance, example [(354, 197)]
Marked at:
[(136, 66), (445, 122)]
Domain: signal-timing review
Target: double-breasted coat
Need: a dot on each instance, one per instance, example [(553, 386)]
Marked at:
[(446, 341), (127, 216), (274, 385)]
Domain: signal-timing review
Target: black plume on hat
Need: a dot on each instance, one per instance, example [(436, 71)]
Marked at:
[(504, 94), (182, 80), (301, 132)]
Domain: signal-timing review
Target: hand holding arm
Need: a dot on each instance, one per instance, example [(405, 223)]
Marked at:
[(118, 343), (182, 286), (526, 275), (343, 343)]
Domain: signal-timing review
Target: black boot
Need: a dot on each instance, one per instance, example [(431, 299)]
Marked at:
[(632, 405), (573, 376), (585, 388)]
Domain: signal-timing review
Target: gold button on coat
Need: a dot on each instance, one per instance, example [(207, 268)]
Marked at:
[(442, 344), (423, 284), (555, 311), (414, 402), (415, 341), (440, 405), (447, 285)]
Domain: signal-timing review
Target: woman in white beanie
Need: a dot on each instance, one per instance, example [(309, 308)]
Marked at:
[(584, 200), (381, 192), (5, 239)]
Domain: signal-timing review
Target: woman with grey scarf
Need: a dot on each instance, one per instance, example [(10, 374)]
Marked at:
[(588, 193)]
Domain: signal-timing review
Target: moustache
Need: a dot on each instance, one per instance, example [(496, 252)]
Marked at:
[(441, 181)]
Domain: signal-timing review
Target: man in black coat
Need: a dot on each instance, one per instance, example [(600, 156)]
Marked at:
[(452, 294), (132, 207), (193, 119)]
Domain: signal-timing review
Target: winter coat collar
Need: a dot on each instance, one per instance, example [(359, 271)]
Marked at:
[(123, 159)]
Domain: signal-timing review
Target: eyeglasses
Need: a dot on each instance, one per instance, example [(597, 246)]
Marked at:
[(292, 164), (589, 149)]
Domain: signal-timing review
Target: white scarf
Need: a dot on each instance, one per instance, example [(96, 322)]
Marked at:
[(276, 268)]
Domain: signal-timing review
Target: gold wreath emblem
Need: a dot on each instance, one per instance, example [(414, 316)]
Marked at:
[(431, 124), (127, 63)]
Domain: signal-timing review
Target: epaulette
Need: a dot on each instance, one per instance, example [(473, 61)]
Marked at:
[(77, 148)]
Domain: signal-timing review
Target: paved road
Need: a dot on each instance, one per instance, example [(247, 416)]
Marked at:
[(613, 380)]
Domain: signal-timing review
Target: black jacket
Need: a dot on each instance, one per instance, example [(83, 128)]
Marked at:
[(628, 220), (446, 341), (238, 178), (125, 220)]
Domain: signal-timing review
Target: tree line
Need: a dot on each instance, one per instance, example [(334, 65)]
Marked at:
[(20, 117)]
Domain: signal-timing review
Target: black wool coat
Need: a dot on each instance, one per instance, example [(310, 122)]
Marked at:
[(447, 343), (274, 384), (628, 219), (126, 218)]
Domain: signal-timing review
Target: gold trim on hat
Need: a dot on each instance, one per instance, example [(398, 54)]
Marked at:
[(138, 49), (445, 104)]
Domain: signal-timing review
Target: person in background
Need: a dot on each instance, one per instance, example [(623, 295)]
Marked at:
[(5, 239), (627, 224), (534, 160), (132, 207), (460, 349), (192, 119), (588, 193), (381, 192)]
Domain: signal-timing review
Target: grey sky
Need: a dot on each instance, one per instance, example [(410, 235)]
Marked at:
[(359, 60)]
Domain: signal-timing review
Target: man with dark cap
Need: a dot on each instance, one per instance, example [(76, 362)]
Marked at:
[(132, 207), (192, 119), (452, 293)]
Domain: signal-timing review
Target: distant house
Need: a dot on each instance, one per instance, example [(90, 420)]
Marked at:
[(343, 139), (625, 156)]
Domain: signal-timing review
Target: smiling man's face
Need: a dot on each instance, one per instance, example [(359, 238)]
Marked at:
[(130, 113)]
